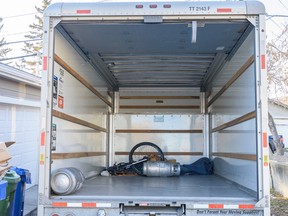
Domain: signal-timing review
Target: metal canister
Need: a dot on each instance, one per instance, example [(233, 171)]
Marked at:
[(67, 180), (161, 168)]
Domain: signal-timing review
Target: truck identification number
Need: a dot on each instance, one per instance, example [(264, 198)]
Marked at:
[(227, 212), (203, 8)]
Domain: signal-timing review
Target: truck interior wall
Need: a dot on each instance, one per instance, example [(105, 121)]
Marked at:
[(160, 100), (236, 104), (76, 145), (151, 110), (173, 144)]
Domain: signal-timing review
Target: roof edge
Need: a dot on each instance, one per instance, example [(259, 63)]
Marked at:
[(15, 74), (53, 9), (255, 7), (278, 103), (128, 8)]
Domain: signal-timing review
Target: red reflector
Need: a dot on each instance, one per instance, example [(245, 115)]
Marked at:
[(139, 6), (167, 6), (153, 6), (42, 143), (216, 206), (263, 61), (83, 11), (224, 10), (45, 61), (246, 206), (59, 204), (89, 205), (55, 215), (265, 145)]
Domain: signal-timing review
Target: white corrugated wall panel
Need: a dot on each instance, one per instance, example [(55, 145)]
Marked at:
[(20, 123)]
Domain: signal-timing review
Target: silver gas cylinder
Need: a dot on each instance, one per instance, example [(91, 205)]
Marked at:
[(67, 180), (161, 168)]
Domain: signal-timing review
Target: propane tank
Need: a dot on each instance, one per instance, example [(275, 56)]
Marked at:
[(65, 181), (161, 168)]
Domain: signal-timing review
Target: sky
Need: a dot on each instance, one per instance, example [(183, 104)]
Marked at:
[(17, 15)]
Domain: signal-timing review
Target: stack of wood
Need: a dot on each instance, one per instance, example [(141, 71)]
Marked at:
[(4, 158)]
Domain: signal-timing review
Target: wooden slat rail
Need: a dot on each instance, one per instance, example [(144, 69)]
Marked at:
[(251, 157), (236, 121), (158, 97), (56, 156), (165, 153), (77, 121), (159, 131), (158, 107), (81, 79), (247, 64)]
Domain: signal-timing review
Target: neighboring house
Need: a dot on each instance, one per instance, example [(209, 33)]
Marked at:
[(20, 117), (279, 112)]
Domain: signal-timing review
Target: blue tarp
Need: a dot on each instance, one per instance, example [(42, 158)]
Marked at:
[(203, 166)]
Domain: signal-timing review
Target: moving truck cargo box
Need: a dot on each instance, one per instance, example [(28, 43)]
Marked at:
[(187, 76)]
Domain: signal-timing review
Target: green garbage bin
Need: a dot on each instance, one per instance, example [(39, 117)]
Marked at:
[(12, 178)]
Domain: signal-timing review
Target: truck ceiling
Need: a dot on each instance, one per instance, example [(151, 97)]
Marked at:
[(173, 54)]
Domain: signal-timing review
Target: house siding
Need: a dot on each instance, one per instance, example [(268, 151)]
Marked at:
[(20, 122)]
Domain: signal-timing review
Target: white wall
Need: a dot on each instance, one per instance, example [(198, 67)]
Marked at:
[(20, 122)]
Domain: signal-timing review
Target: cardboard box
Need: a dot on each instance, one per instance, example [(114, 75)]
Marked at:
[(4, 154), (3, 170)]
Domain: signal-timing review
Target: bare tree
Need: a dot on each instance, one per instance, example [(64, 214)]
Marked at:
[(35, 33), (277, 67), (3, 50), (277, 64)]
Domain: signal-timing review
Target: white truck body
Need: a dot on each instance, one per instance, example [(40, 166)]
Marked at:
[(187, 76)]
